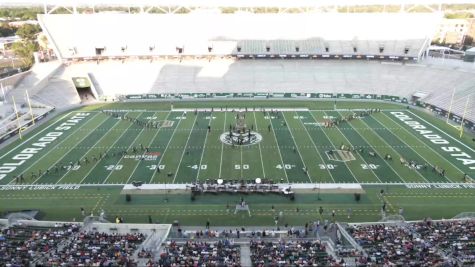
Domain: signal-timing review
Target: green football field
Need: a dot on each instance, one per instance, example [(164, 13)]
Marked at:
[(83, 158)]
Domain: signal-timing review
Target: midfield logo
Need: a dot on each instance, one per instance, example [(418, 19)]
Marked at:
[(243, 139)]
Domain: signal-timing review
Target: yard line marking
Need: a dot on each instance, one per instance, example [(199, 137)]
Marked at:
[(204, 148), (108, 149), (429, 148), (27, 140), (184, 150), (416, 170), (166, 147), (356, 153), (366, 140), (222, 146), (89, 150), (149, 143), (61, 157), (451, 137), (333, 145), (300, 155), (131, 143), (315, 147), (259, 144), (380, 137), (241, 162), (278, 148)]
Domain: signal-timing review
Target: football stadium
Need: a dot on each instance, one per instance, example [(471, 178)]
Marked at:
[(239, 133)]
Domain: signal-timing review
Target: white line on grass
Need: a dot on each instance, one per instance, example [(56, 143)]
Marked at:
[(278, 148), (411, 149), (184, 150), (107, 151), (131, 143), (417, 171), (428, 147), (366, 140), (240, 168), (87, 152), (298, 151), (164, 151), (46, 154), (451, 137), (259, 144), (203, 150), (27, 140), (374, 173), (222, 147), (315, 147), (333, 145), (143, 154)]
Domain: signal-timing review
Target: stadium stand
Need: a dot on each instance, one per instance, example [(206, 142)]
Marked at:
[(86, 35), (289, 253), (192, 253), (25, 245), (37, 243), (425, 243)]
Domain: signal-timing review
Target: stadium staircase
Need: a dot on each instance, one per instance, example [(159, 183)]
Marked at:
[(246, 255)]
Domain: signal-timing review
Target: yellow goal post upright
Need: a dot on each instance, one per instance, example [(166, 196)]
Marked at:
[(465, 110), (450, 106), (460, 127)]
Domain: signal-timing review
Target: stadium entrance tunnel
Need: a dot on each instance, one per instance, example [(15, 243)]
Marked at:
[(84, 89)]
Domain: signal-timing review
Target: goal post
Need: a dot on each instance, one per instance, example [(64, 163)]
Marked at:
[(460, 128), (465, 110)]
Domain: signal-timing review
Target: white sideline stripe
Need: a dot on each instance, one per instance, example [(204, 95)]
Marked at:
[(451, 137), (416, 138), (27, 140), (62, 141), (281, 186), (215, 109), (422, 141), (87, 152), (443, 185)]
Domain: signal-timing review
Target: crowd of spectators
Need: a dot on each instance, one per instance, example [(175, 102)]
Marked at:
[(427, 243), (454, 238), (97, 249), (289, 253), (23, 245), (192, 253)]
